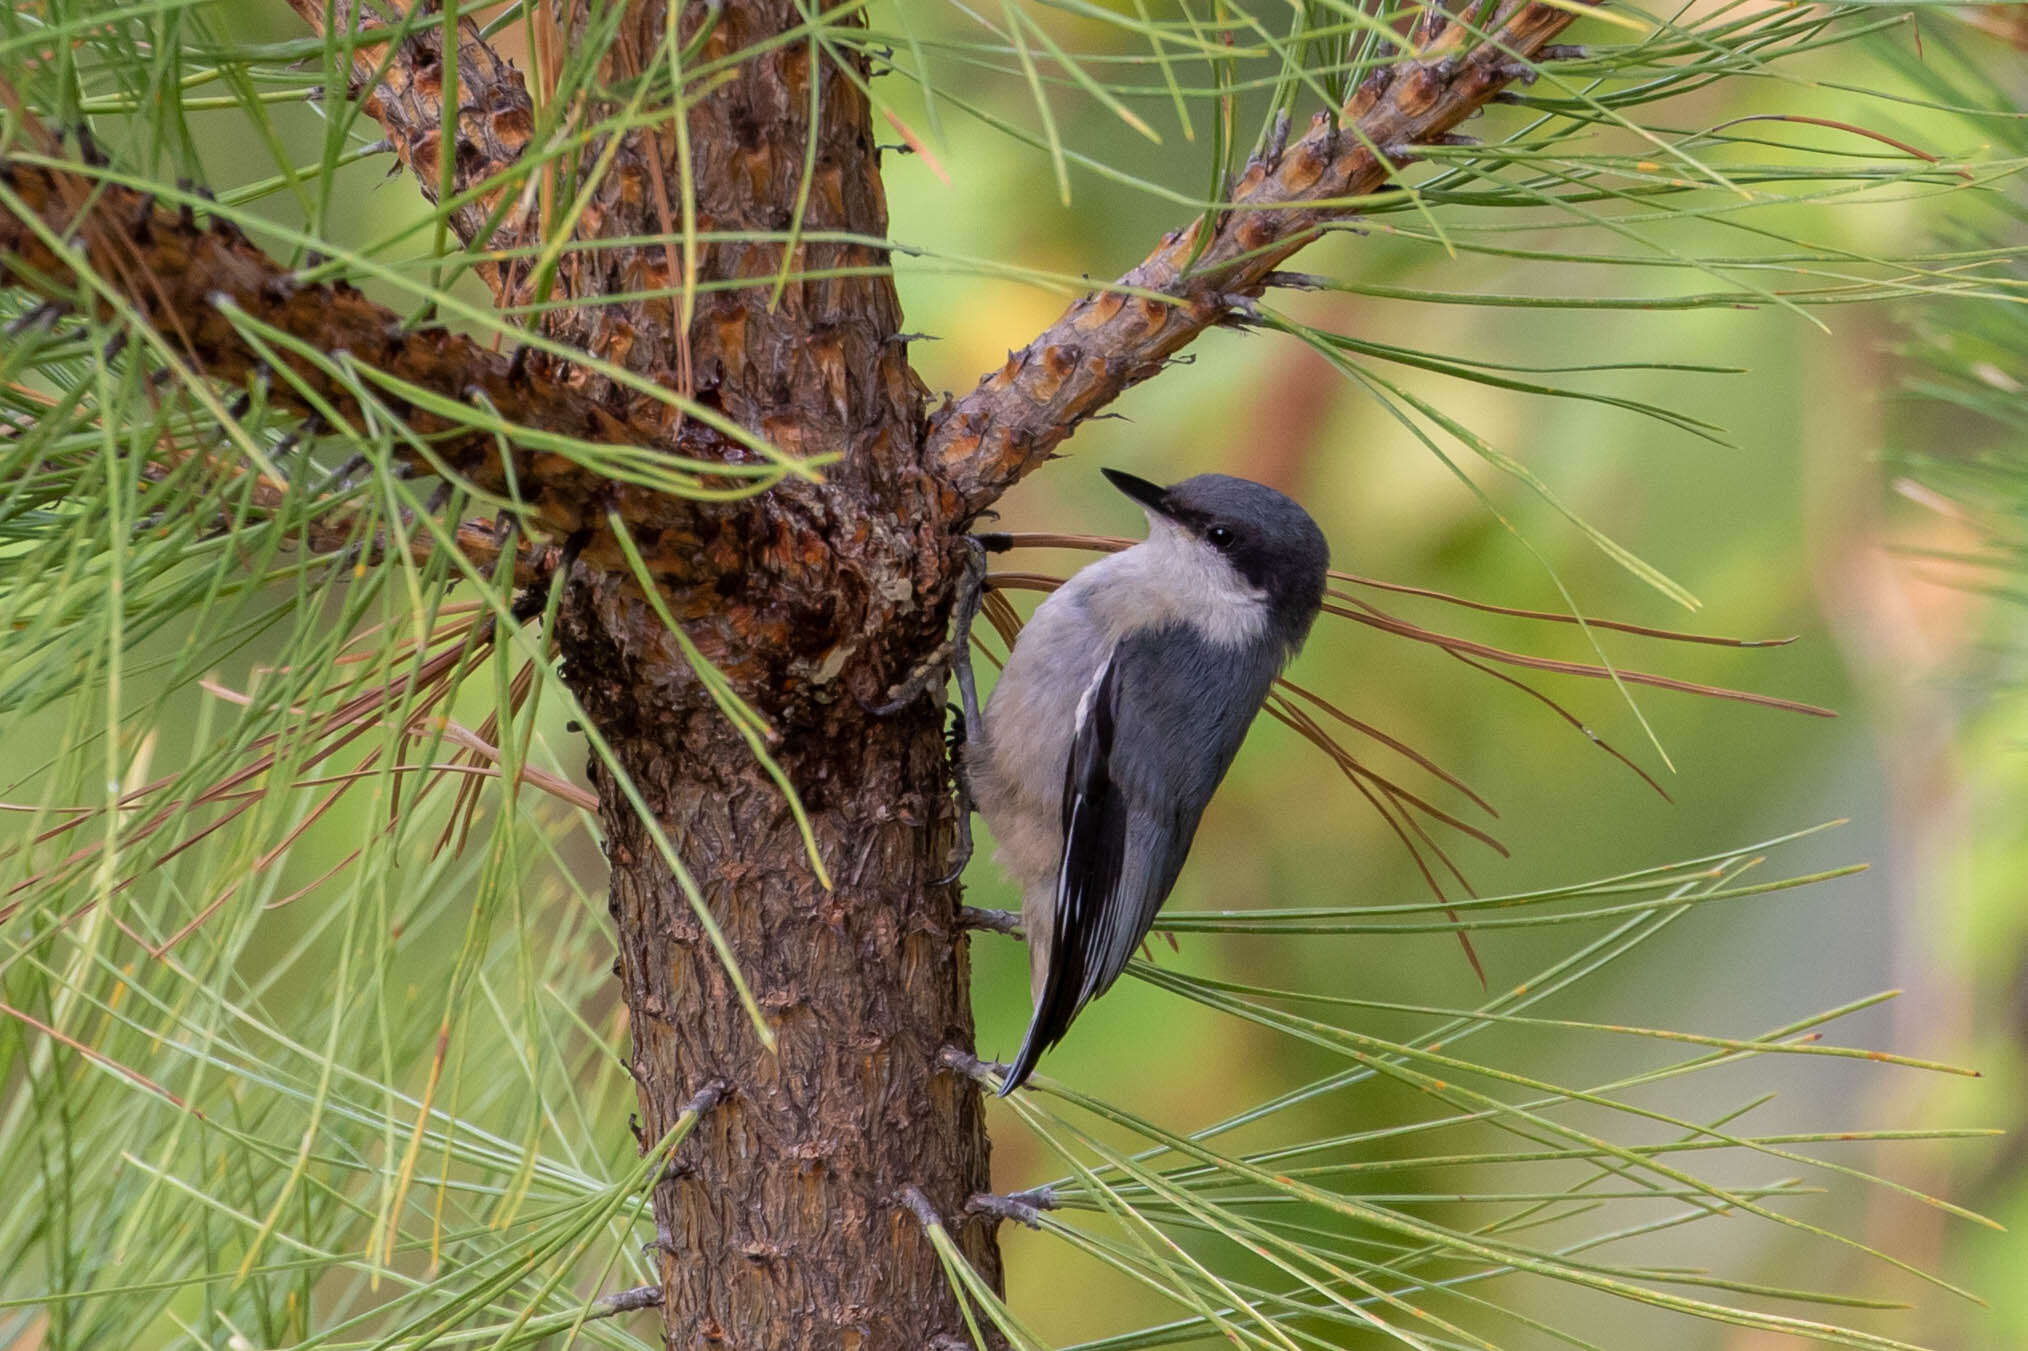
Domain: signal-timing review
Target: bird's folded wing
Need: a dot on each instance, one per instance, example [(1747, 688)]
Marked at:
[(1155, 733)]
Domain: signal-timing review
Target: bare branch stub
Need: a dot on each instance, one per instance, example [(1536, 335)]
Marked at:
[(403, 90), (183, 277), (1108, 341)]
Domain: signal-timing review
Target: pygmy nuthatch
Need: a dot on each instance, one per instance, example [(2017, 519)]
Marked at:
[(1120, 709)]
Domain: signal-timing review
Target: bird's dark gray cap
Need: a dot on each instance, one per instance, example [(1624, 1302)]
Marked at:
[(1275, 544)]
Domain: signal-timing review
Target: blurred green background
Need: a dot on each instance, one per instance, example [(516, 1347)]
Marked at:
[(1790, 530)]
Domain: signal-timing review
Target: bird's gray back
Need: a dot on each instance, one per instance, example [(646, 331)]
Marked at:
[(1016, 760)]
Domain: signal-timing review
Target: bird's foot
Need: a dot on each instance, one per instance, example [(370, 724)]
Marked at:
[(929, 673), (961, 782), (954, 655)]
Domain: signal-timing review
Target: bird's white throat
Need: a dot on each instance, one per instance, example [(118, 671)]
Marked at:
[(1173, 575)]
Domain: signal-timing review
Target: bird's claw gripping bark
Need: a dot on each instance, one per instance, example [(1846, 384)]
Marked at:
[(971, 594), (954, 655), (954, 751), (961, 854), (927, 674), (951, 655)]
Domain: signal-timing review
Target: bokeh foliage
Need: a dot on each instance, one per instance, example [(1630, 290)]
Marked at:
[(1956, 469)]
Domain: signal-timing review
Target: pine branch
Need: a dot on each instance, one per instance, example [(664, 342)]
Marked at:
[(344, 528), (402, 87), (190, 282), (1108, 341)]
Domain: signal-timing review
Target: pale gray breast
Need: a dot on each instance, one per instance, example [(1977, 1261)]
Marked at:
[(1017, 759)]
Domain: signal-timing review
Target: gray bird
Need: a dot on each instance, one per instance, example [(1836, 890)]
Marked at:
[(1119, 711)]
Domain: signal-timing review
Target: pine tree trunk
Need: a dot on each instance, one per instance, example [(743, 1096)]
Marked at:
[(781, 1222)]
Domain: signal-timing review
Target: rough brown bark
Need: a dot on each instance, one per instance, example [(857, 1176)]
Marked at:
[(782, 1224), (184, 275)]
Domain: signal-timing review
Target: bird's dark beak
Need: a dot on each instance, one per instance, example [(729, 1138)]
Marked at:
[(1153, 496)]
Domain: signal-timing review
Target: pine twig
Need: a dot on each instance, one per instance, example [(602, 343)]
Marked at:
[(626, 1301), (184, 278), (1108, 341)]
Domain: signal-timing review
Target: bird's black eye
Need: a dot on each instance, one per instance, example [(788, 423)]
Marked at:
[(1220, 537)]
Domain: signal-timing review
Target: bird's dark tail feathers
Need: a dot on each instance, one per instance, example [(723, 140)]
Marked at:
[(1062, 998), (1054, 1012), (1032, 1046)]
